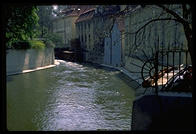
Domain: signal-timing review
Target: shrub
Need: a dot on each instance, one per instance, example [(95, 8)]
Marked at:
[(27, 44), (49, 43), (55, 38), (37, 44), (21, 45), (20, 23)]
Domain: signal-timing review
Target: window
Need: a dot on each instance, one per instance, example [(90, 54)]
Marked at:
[(89, 26), (84, 38), (89, 37)]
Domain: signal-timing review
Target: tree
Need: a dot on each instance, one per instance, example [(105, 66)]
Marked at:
[(20, 23), (45, 19), (184, 18)]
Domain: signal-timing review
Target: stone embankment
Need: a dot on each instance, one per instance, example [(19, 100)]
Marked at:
[(23, 61)]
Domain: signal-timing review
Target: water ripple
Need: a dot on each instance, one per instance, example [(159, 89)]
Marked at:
[(79, 97)]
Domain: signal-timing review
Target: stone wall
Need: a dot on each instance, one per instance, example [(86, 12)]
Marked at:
[(168, 111), (162, 34), (19, 60), (66, 28)]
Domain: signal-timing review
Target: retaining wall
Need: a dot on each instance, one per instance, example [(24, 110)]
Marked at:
[(166, 112), (19, 60)]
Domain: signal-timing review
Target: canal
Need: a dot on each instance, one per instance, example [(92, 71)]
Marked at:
[(69, 96)]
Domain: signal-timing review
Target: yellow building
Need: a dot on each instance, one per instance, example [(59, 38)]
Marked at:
[(65, 24), (84, 26), (92, 27)]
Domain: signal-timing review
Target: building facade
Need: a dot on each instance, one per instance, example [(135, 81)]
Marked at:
[(66, 29), (64, 25), (92, 26), (160, 35), (114, 44), (84, 27)]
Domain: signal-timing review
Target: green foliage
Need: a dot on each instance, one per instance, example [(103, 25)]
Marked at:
[(45, 19), (45, 14), (55, 38), (49, 43), (36, 44), (28, 44), (21, 23), (21, 45), (45, 27)]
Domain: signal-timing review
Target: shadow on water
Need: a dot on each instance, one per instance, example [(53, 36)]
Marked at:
[(9, 78), (97, 66)]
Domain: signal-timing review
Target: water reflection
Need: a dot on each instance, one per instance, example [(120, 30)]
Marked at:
[(69, 97)]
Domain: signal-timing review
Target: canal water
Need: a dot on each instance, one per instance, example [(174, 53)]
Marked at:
[(69, 96)]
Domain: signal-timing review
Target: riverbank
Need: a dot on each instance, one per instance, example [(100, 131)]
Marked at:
[(56, 62), (135, 82), (22, 61), (123, 70), (168, 117)]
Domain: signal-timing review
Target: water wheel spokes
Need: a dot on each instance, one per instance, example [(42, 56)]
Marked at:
[(148, 81)]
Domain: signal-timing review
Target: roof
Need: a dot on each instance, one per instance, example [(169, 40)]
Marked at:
[(76, 10), (86, 16), (89, 12), (133, 8), (86, 13)]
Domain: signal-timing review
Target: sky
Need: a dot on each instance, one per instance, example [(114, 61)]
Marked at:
[(55, 7)]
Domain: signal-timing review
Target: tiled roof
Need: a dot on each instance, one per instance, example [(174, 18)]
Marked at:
[(86, 13), (73, 13), (89, 12), (70, 12), (77, 10), (85, 16)]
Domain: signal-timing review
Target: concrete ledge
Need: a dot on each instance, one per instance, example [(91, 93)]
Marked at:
[(22, 61), (56, 62), (124, 71), (108, 66)]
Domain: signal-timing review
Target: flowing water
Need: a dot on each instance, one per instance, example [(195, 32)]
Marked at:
[(69, 96)]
